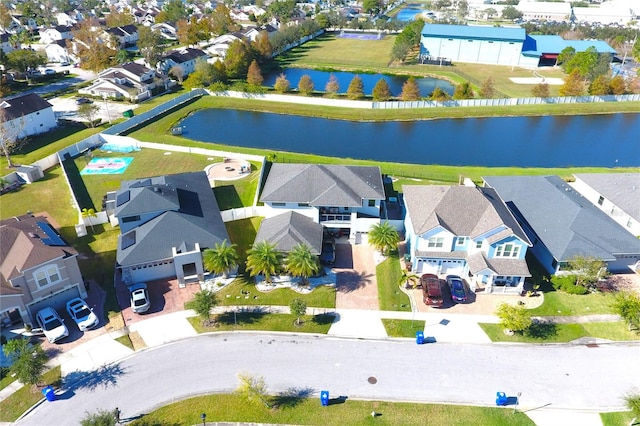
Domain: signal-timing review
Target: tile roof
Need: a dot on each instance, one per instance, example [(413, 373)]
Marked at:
[(566, 222), (289, 229), (462, 210), (23, 105), (323, 185), (622, 189)]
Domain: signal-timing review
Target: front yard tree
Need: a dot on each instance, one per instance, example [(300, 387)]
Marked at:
[(177, 72), (202, 303), (281, 85), (298, 307), (408, 278), (254, 76), (221, 259), (356, 88), (384, 237), (253, 388), (410, 90), (22, 60), (381, 91), (588, 269), (27, 360), (150, 45), (514, 318), (89, 112), (332, 86), (300, 262), (263, 259), (627, 305), (305, 85)]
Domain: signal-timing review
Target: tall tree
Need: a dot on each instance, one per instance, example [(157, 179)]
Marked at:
[(356, 88), (305, 85), (237, 59), (573, 85), (381, 91), (24, 59), (281, 85), (263, 259), (511, 13), (600, 86), (383, 237), (627, 305), (220, 20), (177, 72), (332, 87), (262, 46), (27, 360), (410, 90), (372, 7), (463, 91), (300, 262), (118, 19), (202, 76), (94, 55), (254, 76), (221, 259), (89, 112), (487, 90), (150, 45), (175, 10)]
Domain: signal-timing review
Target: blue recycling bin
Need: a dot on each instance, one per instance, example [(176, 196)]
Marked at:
[(49, 394), (501, 398), (419, 337), (324, 398)]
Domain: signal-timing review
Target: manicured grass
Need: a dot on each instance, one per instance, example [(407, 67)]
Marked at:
[(562, 333), (20, 401), (242, 233), (229, 321), (402, 328), (561, 303), (236, 294), (621, 418), (6, 380), (233, 408), (125, 340), (390, 297)]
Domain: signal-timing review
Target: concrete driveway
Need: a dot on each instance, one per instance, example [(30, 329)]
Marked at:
[(66, 108)]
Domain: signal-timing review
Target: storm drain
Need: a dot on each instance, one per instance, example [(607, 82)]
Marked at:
[(372, 380)]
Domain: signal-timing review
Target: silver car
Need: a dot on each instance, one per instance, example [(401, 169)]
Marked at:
[(81, 314), (51, 324), (139, 296)]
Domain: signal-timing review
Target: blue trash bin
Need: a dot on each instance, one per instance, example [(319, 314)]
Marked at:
[(49, 394), (419, 337), (501, 398), (324, 398)]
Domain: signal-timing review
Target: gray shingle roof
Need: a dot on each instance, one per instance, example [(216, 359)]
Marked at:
[(622, 189), (23, 105), (509, 267), (462, 210), (197, 220), (566, 222), (184, 55), (286, 230), (323, 185)]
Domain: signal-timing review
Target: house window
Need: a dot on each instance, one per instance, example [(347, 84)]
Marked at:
[(434, 242), (47, 275), (600, 200), (278, 204), (507, 250), (128, 219), (372, 203), (303, 204), (478, 244), (461, 241)]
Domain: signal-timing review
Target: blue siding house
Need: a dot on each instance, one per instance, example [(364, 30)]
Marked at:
[(466, 231)]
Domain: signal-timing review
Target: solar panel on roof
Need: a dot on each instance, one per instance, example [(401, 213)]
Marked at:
[(122, 198), (128, 240), (53, 239)]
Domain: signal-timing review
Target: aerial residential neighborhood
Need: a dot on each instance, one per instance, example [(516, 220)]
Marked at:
[(272, 212)]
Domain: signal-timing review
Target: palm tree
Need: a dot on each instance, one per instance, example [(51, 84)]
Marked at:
[(220, 259), (263, 259), (408, 277), (383, 237), (302, 263)]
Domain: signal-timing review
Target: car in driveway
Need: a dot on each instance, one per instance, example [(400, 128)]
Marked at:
[(456, 286), (431, 290), (81, 101), (328, 255), (80, 312), (139, 296), (51, 324)]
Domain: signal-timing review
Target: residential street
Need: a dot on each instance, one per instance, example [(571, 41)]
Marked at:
[(550, 376)]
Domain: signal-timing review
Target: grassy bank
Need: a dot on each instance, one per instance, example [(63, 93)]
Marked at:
[(24, 398), (402, 328), (318, 324), (563, 333)]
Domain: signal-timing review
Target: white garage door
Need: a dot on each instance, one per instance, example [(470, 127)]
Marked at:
[(56, 300), (452, 267), (427, 266), (165, 270)]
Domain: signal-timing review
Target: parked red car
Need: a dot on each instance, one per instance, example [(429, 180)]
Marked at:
[(431, 291)]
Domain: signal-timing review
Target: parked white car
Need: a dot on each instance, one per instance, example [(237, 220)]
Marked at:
[(51, 324), (82, 314), (139, 295)]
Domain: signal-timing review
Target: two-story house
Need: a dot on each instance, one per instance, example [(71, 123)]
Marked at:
[(165, 224), (37, 269), (130, 81), (125, 36), (466, 231), (26, 115), (52, 34), (344, 198), (185, 58), (5, 43)]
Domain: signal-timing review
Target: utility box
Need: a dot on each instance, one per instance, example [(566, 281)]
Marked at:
[(419, 337), (324, 398), (128, 113)]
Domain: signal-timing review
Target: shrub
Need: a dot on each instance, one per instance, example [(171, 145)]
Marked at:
[(568, 284)]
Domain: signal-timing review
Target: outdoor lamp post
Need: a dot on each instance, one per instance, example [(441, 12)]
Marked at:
[(203, 416)]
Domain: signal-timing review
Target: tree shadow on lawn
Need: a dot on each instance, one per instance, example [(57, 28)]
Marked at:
[(105, 376), (542, 330), (291, 397), (241, 317)]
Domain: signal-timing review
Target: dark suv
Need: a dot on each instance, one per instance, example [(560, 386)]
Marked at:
[(431, 291)]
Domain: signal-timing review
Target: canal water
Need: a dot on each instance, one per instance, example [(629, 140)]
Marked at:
[(560, 141)]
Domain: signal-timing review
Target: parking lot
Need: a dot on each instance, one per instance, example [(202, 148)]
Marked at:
[(67, 109)]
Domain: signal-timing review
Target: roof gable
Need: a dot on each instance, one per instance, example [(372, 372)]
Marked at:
[(23, 105), (288, 229), (622, 189)]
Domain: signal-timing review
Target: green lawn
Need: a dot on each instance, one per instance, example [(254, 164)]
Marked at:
[(20, 401), (308, 411), (6, 380), (402, 328), (236, 294), (561, 303), (562, 333), (229, 321), (242, 233), (390, 297), (618, 419)]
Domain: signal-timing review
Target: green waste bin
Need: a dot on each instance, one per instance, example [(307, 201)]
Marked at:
[(128, 113)]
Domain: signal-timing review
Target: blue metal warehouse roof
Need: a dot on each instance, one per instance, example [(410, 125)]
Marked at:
[(474, 32), (536, 45)]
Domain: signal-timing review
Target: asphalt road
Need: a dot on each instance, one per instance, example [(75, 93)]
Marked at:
[(556, 376)]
